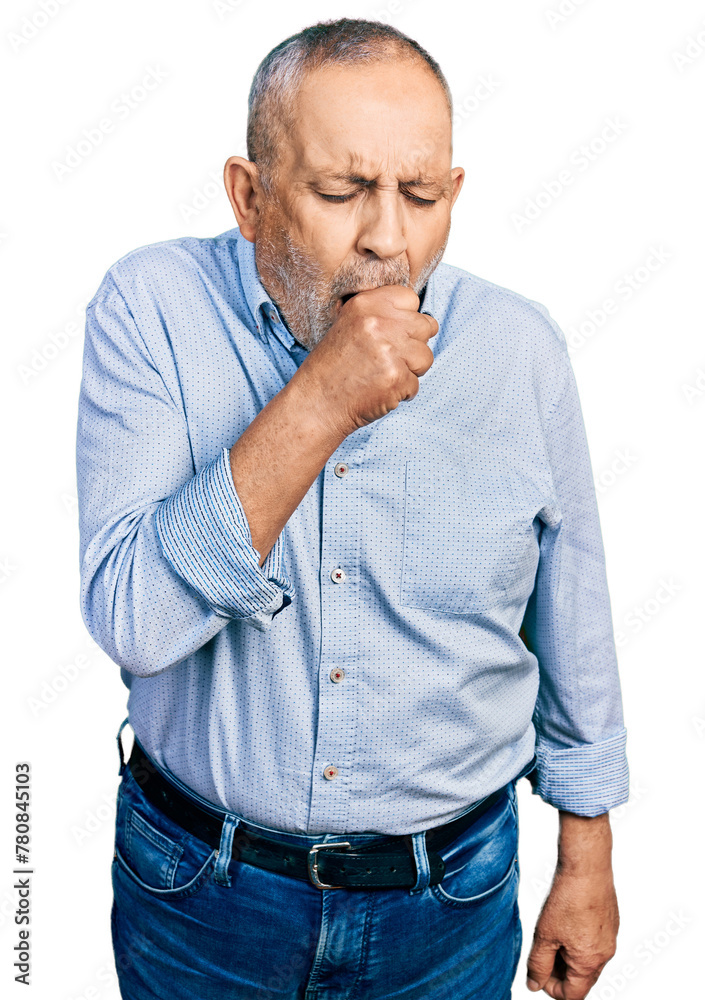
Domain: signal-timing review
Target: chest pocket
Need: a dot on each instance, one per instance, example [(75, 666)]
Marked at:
[(470, 540)]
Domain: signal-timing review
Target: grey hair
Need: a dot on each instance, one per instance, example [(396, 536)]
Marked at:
[(282, 70)]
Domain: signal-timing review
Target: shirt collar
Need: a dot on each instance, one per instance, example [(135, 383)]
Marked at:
[(263, 309), (427, 295), (259, 302)]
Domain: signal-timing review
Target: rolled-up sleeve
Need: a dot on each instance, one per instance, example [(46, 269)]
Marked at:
[(580, 733), (166, 556), (206, 537)]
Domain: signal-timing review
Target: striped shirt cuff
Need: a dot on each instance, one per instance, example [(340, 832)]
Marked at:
[(587, 780), (205, 536)]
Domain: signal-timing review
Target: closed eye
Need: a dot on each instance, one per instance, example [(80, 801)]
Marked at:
[(420, 201), (336, 197), (340, 198)]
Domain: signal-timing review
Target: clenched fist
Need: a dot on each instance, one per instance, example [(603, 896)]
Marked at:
[(371, 358)]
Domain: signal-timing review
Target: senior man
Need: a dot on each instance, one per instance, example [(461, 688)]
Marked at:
[(348, 626)]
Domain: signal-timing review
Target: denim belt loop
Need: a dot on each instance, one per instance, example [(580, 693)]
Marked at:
[(119, 743), (423, 868), (230, 824)]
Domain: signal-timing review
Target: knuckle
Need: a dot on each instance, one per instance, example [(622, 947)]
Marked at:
[(370, 324), (392, 374)]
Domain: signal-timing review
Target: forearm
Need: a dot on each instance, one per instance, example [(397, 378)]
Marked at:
[(584, 844), (278, 457)]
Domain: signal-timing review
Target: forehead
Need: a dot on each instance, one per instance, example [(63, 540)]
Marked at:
[(376, 116)]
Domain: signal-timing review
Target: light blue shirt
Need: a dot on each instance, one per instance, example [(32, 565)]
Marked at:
[(370, 676)]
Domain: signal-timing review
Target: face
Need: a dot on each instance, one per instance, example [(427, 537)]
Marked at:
[(363, 193)]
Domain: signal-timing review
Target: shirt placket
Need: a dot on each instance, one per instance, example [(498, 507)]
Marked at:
[(336, 755)]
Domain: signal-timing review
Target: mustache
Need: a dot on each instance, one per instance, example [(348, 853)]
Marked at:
[(357, 277)]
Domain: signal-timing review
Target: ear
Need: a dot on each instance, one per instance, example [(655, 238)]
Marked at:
[(457, 176), (241, 179)]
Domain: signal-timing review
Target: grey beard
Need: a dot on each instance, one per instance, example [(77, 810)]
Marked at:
[(306, 299)]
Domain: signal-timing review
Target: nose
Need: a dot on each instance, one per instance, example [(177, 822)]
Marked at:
[(382, 229)]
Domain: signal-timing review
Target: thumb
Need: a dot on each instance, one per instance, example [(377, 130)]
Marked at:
[(539, 966)]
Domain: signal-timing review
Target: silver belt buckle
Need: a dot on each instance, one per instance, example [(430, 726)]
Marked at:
[(313, 864)]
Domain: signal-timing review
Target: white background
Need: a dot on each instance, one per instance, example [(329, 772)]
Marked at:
[(532, 82)]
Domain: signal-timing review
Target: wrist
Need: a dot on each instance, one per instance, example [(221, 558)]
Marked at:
[(317, 408)]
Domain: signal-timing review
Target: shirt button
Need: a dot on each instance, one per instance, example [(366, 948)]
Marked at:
[(273, 316), (341, 470), (330, 772), (338, 575), (337, 674)]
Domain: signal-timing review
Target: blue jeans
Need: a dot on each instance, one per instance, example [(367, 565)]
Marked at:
[(192, 923)]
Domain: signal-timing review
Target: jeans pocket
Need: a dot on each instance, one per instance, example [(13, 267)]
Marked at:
[(481, 862), (153, 851)]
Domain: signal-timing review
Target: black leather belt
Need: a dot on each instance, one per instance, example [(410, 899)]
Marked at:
[(387, 864)]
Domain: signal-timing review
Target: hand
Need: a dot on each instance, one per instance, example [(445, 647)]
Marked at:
[(371, 358), (575, 935)]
